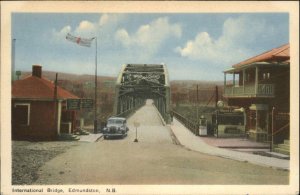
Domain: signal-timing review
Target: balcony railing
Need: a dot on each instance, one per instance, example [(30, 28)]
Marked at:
[(263, 90)]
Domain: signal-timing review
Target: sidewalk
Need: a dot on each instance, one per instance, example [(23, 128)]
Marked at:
[(235, 143), (90, 138), (189, 140)]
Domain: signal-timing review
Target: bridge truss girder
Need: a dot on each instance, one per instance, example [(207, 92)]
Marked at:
[(138, 82)]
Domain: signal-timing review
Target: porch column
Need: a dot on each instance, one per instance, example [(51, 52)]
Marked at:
[(257, 120), (233, 79), (245, 118), (58, 116), (256, 79)]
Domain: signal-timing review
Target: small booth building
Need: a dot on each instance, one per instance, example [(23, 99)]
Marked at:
[(39, 109), (259, 85)]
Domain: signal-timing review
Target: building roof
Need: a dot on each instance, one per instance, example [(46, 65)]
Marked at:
[(280, 54), (34, 87)]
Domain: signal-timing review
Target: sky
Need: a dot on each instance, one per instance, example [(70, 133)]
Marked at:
[(194, 46)]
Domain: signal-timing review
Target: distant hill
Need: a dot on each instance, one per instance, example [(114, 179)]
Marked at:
[(71, 77), (200, 83), (87, 78)]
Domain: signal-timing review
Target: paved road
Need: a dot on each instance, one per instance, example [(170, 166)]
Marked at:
[(155, 159)]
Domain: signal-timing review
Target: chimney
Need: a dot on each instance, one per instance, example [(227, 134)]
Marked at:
[(37, 71)]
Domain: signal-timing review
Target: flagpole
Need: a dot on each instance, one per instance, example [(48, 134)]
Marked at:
[(87, 43), (95, 105), (13, 59)]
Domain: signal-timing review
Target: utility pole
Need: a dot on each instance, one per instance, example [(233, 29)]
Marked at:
[(13, 60), (217, 96), (55, 104), (197, 106), (95, 106)]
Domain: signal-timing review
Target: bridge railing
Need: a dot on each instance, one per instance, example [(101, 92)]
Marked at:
[(192, 126)]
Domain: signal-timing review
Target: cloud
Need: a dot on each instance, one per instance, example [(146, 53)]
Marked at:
[(57, 35), (104, 26), (86, 28), (237, 36), (111, 19), (123, 36), (149, 37), (104, 19), (202, 46)]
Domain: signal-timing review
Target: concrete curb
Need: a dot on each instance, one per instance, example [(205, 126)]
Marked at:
[(90, 138), (99, 138)]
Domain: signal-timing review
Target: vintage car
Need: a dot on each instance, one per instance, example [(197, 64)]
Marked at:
[(115, 127)]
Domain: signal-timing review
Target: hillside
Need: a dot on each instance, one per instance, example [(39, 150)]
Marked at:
[(87, 78), (71, 77), (192, 84)]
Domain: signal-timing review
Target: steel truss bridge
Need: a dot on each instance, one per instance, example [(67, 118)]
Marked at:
[(138, 82)]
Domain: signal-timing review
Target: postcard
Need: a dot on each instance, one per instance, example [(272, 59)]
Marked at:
[(149, 97)]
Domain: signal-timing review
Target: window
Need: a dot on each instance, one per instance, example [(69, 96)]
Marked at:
[(266, 76), (22, 114)]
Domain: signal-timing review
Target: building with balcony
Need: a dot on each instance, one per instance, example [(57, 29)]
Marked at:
[(259, 85)]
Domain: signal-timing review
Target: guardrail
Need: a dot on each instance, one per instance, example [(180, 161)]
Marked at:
[(192, 126)]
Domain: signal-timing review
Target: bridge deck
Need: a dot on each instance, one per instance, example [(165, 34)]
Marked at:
[(151, 128), (147, 115)]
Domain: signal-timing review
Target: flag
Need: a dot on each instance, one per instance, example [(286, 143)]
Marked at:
[(79, 40)]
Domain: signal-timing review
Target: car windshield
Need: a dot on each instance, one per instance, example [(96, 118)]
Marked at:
[(115, 121)]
